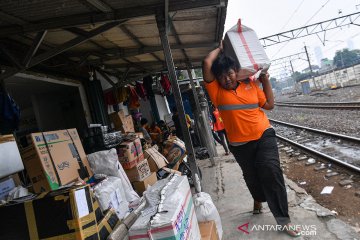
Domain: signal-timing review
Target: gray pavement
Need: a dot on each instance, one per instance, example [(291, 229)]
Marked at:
[(225, 183)]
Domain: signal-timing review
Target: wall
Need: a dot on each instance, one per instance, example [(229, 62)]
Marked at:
[(59, 110), (343, 77), (162, 106)]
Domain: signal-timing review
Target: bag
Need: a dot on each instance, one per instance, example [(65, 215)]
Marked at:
[(242, 44), (165, 84), (206, 211)]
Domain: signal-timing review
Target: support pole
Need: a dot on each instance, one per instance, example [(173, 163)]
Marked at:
[(310, 67), (209, 142), (160, 20)]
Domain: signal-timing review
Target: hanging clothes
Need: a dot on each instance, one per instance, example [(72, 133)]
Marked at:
[(9, 114), (140, 90), (123, 93), (134, 99), (147, 83), (165, 84), (109, 98)]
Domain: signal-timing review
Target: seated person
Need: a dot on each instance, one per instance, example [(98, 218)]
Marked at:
[(144, 126), (155, 132)]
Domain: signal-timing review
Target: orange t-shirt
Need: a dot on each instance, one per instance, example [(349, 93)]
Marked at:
[(243, 119)]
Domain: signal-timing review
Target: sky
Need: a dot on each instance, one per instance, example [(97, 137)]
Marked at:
[(268, 17)]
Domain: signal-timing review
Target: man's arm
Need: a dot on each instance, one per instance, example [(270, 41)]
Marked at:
[(264, 79), (207, 63)]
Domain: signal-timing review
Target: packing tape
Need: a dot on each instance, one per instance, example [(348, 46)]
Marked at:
[(43, 194), (61, 197), (31, 221), (79, 223), (76, 222)]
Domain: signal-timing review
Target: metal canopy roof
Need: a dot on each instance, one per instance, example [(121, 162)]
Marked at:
[(119, 38)]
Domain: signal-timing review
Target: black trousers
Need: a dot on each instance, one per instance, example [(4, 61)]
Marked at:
[(259, 161)]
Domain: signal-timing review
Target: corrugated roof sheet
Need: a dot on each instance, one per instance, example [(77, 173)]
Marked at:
[(134, 43)]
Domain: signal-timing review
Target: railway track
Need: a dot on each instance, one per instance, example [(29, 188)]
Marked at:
[(322, 105), (335, 148)]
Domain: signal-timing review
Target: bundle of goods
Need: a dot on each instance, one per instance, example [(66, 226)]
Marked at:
[(206, 211), (110, 194), (54, 159), (62, 214), (169, 213), (174, 151), (242, 44), (107, 163), (112, 139)]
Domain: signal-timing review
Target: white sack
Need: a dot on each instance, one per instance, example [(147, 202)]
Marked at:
[(206, 211), (110, 194), (107, 162)]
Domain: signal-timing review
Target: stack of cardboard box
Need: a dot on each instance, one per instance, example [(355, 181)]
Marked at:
[(54, 159), (135, 165), (62, 214), (121, 122)]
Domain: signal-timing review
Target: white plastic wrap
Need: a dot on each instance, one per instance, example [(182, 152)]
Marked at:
[(107, 162), (206, 211), (170, 212), (110, 194), (242, 43)]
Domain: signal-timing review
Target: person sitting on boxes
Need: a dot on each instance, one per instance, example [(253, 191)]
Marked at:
[(251, 137)]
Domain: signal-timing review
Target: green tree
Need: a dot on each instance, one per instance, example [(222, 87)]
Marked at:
[(345, 57)]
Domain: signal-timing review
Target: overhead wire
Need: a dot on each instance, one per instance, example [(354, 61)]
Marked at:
[(292, 15), (316, 13)]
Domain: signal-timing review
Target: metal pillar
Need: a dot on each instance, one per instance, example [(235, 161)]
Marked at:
[(160, 20), (310, 67), (209, 142)]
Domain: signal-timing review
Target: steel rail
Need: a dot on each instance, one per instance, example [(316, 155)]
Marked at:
[(345, 137), (332, 159), (347, 107), (320, 103)]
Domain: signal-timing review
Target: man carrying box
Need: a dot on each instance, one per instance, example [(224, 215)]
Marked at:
[(251, 137)]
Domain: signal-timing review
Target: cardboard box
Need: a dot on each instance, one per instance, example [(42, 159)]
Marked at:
[(107, 224), (139, 172), (10, 159), (208, 230), (62, 214), (81, 152), (127, 152), (242, 44), (141, 186), (117, 118), (137, 143), (53, 159), (155, 159), (121, 122)]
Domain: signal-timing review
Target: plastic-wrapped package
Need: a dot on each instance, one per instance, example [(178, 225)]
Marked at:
[(206, 211), (110, 194), (242, 43), (106, 162), (170, 212)]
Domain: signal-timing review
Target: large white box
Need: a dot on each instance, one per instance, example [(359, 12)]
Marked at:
[(242, 43), (169, 213), (10, 159)]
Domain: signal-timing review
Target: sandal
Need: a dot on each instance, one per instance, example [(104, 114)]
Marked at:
[(292, 231), (257, 207)]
